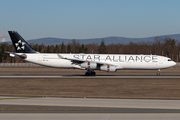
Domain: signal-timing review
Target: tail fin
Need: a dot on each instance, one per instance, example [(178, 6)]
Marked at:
[(20, 45)]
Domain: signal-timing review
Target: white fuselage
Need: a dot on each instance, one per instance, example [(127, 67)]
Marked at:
[(121, 61)]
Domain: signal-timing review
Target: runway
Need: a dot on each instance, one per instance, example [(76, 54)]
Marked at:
[(74, 109), (99, 105), (87, 77), (67, 116), (89, 108)]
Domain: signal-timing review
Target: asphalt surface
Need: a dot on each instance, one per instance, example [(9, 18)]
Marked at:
[(71, 109), (90, 105), (89, 108), (85, 77), (82, 116)]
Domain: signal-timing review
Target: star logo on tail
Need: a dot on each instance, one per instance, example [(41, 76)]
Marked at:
[(20, 45)]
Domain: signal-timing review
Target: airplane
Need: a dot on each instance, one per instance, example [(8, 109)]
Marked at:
[(88, 62)]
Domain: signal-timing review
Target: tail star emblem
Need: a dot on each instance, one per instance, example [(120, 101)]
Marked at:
[(20, 45)]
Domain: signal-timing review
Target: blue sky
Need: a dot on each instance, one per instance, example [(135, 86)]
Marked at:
[(79, 19)]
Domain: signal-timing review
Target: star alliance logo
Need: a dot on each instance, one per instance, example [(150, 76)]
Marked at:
[(20, 45)]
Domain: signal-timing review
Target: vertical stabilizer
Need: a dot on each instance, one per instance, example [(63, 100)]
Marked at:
[(20, 45)]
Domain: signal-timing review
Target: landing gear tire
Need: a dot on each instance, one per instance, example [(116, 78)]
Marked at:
[(93, 74), (90, 73), (86, 74), (158, 74)]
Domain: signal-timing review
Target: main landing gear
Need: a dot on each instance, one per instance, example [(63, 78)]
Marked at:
[(90, 73), (158, 73)]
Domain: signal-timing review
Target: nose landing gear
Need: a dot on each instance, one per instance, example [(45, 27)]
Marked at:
[(158, 73)]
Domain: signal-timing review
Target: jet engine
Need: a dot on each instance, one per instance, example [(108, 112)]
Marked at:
[(108, 68), (89, 65)]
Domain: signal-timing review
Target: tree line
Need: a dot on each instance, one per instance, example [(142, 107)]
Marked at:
[(160, 46)]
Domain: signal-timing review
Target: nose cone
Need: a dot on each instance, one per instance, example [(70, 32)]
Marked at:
[(173, 63), (169, 63)]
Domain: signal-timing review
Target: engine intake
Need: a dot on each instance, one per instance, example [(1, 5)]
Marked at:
[(108, 68)]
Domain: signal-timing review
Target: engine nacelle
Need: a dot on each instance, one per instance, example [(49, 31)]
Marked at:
[(89, 65), (108, 68)]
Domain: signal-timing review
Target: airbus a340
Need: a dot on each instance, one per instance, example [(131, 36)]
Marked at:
[(89, 62)]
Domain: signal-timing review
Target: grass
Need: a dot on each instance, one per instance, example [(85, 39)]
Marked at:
[(54, 71), (92, 88)]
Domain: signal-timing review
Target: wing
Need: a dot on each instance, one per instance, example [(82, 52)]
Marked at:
[(79, 61)]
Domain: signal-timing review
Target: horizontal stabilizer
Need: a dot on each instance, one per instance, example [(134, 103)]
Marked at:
[(21, 56)]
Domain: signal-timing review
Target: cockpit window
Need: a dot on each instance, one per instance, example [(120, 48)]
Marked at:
[(169, 60)]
